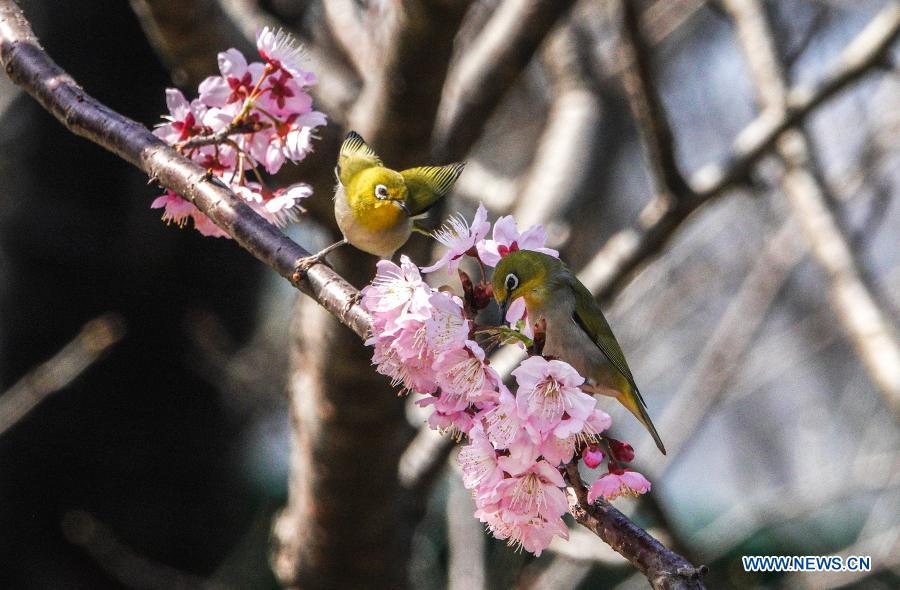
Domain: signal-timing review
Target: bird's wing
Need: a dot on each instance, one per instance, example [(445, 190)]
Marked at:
[(428, 184), (355, 155), (590, 319)]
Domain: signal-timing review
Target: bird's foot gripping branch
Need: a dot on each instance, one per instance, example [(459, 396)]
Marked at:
[(519, 441), (251, 117)]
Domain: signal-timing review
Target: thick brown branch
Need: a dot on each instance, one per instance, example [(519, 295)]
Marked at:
[(664, 569), (30, 67), (481, 77), (865, 323), (627, 250)]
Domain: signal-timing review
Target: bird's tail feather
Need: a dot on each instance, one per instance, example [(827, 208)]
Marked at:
[(630, 400)]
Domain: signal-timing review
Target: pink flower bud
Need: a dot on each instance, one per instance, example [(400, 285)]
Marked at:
[(592, 456)]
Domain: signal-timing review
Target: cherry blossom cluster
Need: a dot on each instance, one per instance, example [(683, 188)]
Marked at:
[(519, 439), (253, 116)]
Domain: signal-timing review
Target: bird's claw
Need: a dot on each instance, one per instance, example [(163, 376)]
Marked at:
[(351, 301), (302, 267)]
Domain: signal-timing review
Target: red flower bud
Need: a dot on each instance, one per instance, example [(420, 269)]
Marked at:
[(622, 451)]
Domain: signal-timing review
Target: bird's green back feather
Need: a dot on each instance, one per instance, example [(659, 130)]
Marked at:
[(354, 157), (426, 185)]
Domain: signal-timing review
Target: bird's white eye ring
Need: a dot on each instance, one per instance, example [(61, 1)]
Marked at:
[(512, 281), (381, 192)]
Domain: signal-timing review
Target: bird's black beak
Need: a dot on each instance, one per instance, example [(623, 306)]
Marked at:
[(403, 206), (503, 307)]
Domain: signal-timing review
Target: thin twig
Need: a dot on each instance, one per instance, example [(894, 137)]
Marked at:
[(867, 326), (92, 342), (222, 134)]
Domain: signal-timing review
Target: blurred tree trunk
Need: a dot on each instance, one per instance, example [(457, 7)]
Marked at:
[(344, 526)]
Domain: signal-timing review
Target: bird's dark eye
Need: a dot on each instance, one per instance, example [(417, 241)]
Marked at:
[(512, 281), (381, 192)]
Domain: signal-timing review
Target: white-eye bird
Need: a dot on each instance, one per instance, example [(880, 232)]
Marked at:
[(374, 205), (576, 330)]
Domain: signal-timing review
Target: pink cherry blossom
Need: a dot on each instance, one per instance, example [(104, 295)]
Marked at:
[(400, 356), (205, 225), (464, 374), (236, 82), (284, 207), (478, 461), (183, 119), (396, 290), (177, 209), (459, 238), (267, 119), (549, 397), (621, 483), (556, 450), (517, 312), (281, 51), (447, 328), (502, 422), (506, 239), (535, 491), (531, 533), (453, 422)]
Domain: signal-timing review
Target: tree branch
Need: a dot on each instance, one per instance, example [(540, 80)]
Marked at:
[(664, 569), (480, 78), (868, 327), (95, 338), (627, 250), (648, 110), (30, 67), (347, 23), (560, 171)]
